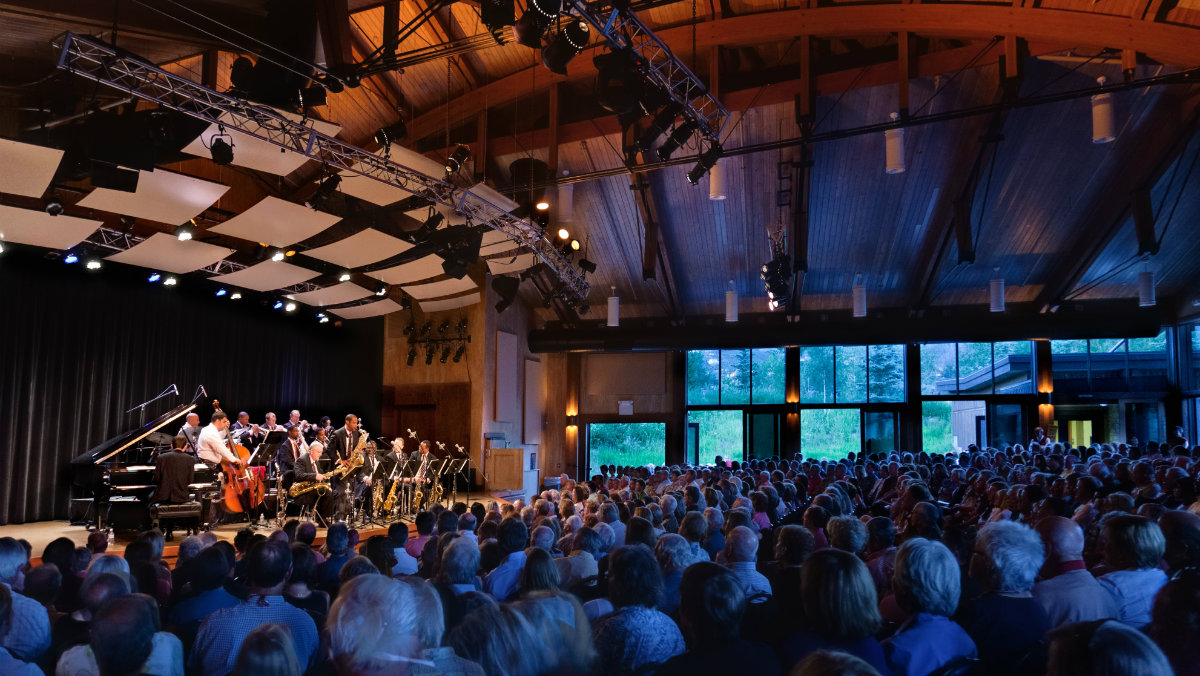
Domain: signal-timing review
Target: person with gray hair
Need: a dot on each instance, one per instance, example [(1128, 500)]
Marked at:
[(372, 627), (1067, 591), (580, 565), (716, 539), (460, 562), (28, 634), (430, 626), (1006, 622), (847, 533), (741, 556), (927, 587), (674, 555), (610, 515), (542, 537), (1104, 648), (1133, 546)]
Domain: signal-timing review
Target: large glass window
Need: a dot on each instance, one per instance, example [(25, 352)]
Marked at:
[(939, 369), (830, 433), (717, 433), (736, 377), (976, 368), (851, 362), (632, 444), (1110, 364), (816, 375), (953, 425), (1014, 367), (879, 435), (770, 374), (851, 374), (887, 373), (704, 377), (1194, 348)]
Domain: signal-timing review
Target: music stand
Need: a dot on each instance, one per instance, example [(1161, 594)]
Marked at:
[(456, 467), (269, 448)]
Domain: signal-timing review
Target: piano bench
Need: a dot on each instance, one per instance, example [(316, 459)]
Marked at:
[(188, 512)]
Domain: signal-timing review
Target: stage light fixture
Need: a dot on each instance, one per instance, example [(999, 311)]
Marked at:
[(381, 289), (1, 247), (236, 295), (459, 352), (344, 277), (574, 245), (777, 280), (444, 326), (323, 320), (542, 205), (461, 325), (506, 288), (408, 328), (425, 329), (388, 135), (54, 207), (430, 226), (325, 190), (566, 45), (277, 255), (587, 266), (278, 304), (677, 138), (289, 253), (564, 234), (429, 350), (496, 14), (446, 354), (412, 355), (658, 126), (308, 97), (457, 159), (708, 160), (70, 258), (154, 277), (93, 264), (170, 281), (221, 293), (528, 30), (220, 146), (290, 307), (185, 231)]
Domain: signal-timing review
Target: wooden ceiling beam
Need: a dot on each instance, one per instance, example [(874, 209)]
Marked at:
[(441, 29), (138, 21), (1167, 43), (334, 19)]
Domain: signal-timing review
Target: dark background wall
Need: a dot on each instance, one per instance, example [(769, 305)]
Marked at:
[(79, 348)]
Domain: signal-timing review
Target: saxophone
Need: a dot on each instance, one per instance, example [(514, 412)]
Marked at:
[(377, 496), (301, 487), (356, 458)]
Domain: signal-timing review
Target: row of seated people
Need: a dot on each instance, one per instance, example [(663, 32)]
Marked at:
[(737, 572)]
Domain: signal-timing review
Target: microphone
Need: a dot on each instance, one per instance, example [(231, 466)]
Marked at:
[(203, 391), (175, 390)]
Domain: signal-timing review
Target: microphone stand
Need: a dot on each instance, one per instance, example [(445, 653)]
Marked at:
[(141, 409)]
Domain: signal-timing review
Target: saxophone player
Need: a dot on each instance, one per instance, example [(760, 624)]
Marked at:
[(422, 479), (365, 479), (341, 449), (307, 469)]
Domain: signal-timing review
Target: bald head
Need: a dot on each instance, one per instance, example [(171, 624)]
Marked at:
[(1063, 539)]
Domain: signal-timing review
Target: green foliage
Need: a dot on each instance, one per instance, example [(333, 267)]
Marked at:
[(816, 375), (1068, 347), (770, 369), (936, 436), (830, 433), (851, 374), (703, 377), (887, 373), (626, 444), (1155, 344), (937, 363), (735, 377), (720, 433)]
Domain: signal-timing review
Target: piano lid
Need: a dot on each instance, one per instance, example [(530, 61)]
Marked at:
[(124, 440)]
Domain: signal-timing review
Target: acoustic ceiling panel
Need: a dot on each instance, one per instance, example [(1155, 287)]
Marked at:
[(383, 194), (266, 276), (450, 303), (255, 153), (276, 222), (36, 227), (490, 194), (161, 196), (345, 292), (499, 266), (445, 287), (415, 271), (165, 252), (383, 307), (498, 248), (496, 237), (362, 248), (27, 169)]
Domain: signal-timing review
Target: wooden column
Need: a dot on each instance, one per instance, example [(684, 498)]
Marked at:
[(677, 419), (1043, 364), (571, 448), (791, 389)]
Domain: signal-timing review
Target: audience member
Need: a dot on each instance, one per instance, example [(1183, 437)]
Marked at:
[(1103, 648), (927, 587), (635, 636), (1133, 547), (1067, 591)]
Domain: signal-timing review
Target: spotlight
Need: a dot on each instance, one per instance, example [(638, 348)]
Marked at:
[(235, 296), (386, 136), (381, 289), (154, 277), (506, 288), (777, 280), (445, 354), (587, 266), (542, 205), (412, 355), (308, 97), (185, 231), (457, 159), (289, 253), (708, 160), (659, 125), (461, 326), (408, 329), (563, 233), (325, 190), (290, 307), (70, 258), (260, 254), (574, 245), (460, 255), (93, 264), (277, 255), (1, 247), (220, 146), (430, 226), (221, 293), (528, 30), (344, 277), (170, 281), (278, 304), (496, 14), (566, 45), (458, 353), (54, 207), (323, 320), (677, 138), (425, 329)]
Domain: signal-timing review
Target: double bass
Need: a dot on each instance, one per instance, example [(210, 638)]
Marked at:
[(244, 490)]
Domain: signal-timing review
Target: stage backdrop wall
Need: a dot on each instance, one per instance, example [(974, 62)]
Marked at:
[(80, 348)]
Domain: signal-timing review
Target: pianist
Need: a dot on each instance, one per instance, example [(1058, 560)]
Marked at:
[(173, 471), (191, 432)]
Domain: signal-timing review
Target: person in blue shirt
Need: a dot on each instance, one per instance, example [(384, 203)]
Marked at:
[(207, 573), (927, 586)]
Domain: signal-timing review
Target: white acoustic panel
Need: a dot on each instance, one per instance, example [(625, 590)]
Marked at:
[(414, 271), (165, 252), (161, 196), (380, 193), (332, 295), (450, 303), (499, 266), (509, 248), (27, 169), (490, 194), (383, 307), (445, 287), (415, 160), (254, 153), (362, 248), (266, 276), (535, 395), (508, 400), (496, 237), (276, 222), (36, 227)]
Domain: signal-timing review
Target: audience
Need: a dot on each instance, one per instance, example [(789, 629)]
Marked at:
[(1133, 546), (10, 664), (927, 587), (635, 636), (1067, 591)]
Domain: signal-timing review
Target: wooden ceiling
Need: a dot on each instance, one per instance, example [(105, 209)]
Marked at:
[(1051, 210)]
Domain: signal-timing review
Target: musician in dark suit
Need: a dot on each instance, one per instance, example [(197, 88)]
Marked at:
[(394, 457), (340, 448), (290, 451), (191, 434), (244, 433), (173, 471), (307, 469), (367, 476)]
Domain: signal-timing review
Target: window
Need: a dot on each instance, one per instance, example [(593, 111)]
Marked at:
[(886, 375), (977, 368), (770, 373), (717, 433), (953, 425), (703, 377), (1110, 364), (736, 377), (851, 363), (1194, 354), (1014, 367), (816, 375), (935, 427), (830, 433), (939, 372), (626, 444), (851, 374)]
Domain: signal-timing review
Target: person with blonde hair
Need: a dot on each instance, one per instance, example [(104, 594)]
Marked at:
[(430, 627), (267, 651), (372, 628)]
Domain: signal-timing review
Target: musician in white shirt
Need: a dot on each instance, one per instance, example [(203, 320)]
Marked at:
[(211, 445)]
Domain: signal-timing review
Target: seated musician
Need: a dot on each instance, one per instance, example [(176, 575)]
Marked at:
[(245, 433), (173, 471), (307, 469), (211, 448), (269, 424), (191, 432), (290, 451)]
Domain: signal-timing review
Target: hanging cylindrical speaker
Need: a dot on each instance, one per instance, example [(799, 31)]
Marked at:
[(1146, 289), (731, 303), (996, 294), (1104, 128), (716, 183), (859, 296), (614, 309), (894, 146)]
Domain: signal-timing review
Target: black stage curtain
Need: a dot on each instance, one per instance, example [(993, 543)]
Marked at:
[(78, 348)]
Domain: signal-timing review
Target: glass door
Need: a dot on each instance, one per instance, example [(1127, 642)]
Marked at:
[(1006, 425), (879, 431), (763, 442)]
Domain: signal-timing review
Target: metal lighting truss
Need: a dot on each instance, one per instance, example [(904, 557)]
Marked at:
[(117, 68), (623, 30)]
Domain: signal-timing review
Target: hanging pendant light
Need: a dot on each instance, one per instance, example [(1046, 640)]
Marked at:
[(731, 303), (1104, 129), (996, 292), (894, 148), (716, 183), (1146, 285), (614, 309), (859, 296)]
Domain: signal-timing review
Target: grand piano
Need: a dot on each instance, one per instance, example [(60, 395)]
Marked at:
[(120, 488)]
